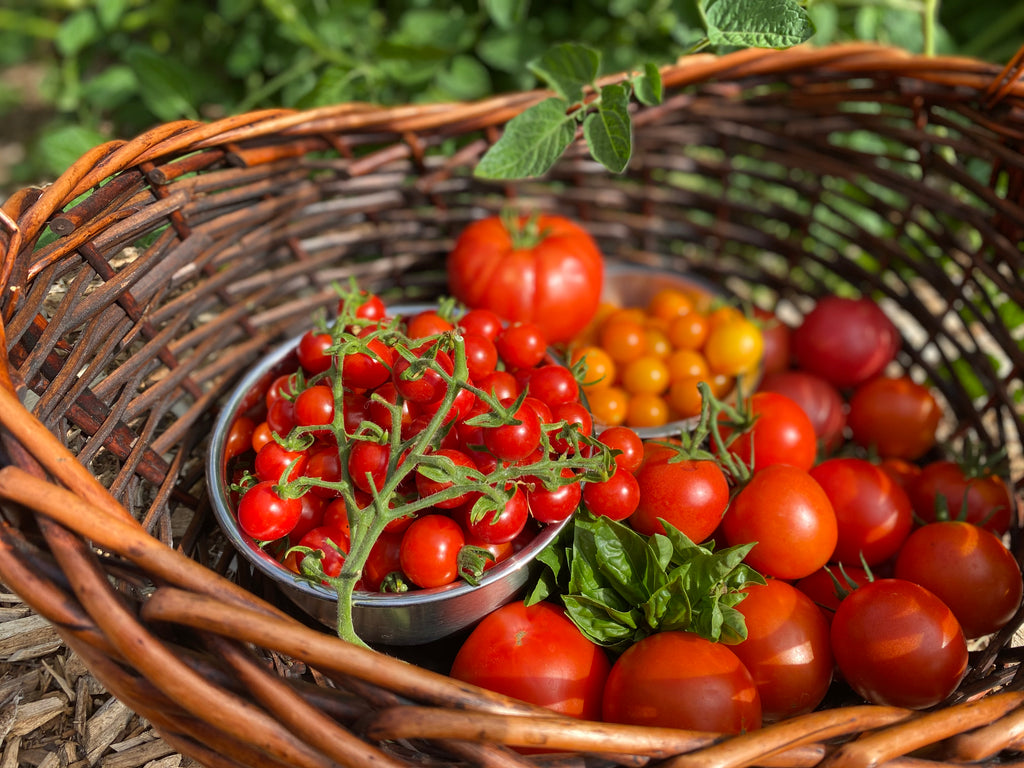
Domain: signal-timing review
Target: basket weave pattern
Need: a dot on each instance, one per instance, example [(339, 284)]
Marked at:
[(154, 272)]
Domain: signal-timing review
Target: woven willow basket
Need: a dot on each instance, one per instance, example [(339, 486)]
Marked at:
[(142, 283)]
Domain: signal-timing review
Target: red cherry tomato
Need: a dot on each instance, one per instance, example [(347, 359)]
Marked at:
[(274, 459), (312, 352), (427, 487), (265, 515), (894, 416), (430, 550), (944, 489), (781, 434), (554, 505), (501, 525), (521, 345), (629, 445), (516, 441), (481, 321), (819, 399), (615, 498)]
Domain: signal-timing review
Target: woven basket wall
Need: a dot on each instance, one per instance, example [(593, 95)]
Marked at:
[(141, 284)]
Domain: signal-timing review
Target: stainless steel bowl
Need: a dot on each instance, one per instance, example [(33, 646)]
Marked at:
[(412, 618)]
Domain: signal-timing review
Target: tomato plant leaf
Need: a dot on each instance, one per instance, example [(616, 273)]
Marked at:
[(164, 84), (648, 85), (608, 131), (568, 68), (506, 13), (758, 23), (531, 143)]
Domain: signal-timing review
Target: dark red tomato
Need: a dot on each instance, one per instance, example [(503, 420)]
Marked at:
[(481, 321), (274, 459), (281, 416), (541, 408), (516, 441), (615, 498), (427, 487), (945, 485), (900, 470), (426, 387), (426, 323), (555, 505), (894, 416), (691, 495), (627, 442), (353, 410), (845, 341), (969, 569), (521, 345), (554, 384), (781, 434), (501, 384), (545, 269), (384, 559), (368, 465), (282, 387), (819, 399), (899, 645), (312, 352), (370, 308), (537, 655), (789, 515), (265, 515), (787, 650), (873, 511), (315, 406), (829, 585), (681, 680), (776, 335), (335, 517), (361, 370), (324, 463), (500, 525), (430, 550), (378, 412), (239, 439), (312, 516), (571, 413), (481, 355), (332, 543)]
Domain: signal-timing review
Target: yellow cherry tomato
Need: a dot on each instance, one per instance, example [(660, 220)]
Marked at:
[(608, 405), (734, 347), (684, 363), (669, 303), (600, 368), (647, 410), (688, 331), (647, 374)]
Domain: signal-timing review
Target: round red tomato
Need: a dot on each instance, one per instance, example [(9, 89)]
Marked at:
[(787, 649), (628, 444), (681, 680), (781, 434), (899, 645), (537, 655), (691, 495), (430, 548), (944, 488), (819, 399), (873, 511), (969, 569), (894, 416), (845, 341), (789, 516), (615, 498), (547, 271), (266, 515)]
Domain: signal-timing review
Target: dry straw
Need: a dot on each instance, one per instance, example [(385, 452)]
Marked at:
[(147, 278)]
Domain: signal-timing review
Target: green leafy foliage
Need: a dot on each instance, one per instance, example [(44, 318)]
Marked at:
[(619, 586)]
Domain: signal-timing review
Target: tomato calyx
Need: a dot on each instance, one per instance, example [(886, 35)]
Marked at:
[(524, 230), (472, 561)]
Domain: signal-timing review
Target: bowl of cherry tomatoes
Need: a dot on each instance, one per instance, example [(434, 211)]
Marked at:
[(301, 496), (657, 334)]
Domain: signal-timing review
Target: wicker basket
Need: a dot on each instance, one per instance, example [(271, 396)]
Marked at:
[(155, 271)]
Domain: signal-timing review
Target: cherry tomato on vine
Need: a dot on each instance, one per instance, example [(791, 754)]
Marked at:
[(502, 524), (368, 465), (273, 459), (426, 386), (314, 406), (332, 543), (430, 550), (557, 504), (521, 345), (553, 384), (629, 445), (481, 321), (265, 515), (781, 434), (427, 487), (427, 323), (312, 352), (481, 355), (615, 498), (513, 442)]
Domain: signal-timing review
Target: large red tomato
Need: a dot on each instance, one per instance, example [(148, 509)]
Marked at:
[(546, 270), (535, 654)]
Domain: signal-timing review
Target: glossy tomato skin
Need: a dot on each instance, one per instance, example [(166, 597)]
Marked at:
[(555, 284), (897, 644), (787, 650), (872, 510), (789, 515), (845, 340), (535, 654), (983, 500), (895, 416), (969, 569), (781, 434), (266, 515), (818, 398), (680, 680), (430, 550), (691, 495), (777, 336)]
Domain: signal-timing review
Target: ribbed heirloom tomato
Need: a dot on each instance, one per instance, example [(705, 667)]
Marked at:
[(544, 269)]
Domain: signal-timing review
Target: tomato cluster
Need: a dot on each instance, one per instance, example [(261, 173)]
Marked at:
[(643, 364), (418, 449)]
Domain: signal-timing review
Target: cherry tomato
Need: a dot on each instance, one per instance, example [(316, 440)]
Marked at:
[(629, 445), (501, 384), (647, 374), (426, 386), (368, 465), (371, 307), (818, 398), (430, 550), (646, 410), (361, 370), (427, 487), (966, 567), (897, 644), (501, 525), (239, 437), (598, 367), (273, 459), (384, 559), (691, 495), (332, 543), (315, 406), (426, 323), (623, 339), (777, 341), (873, 512), (615, 498), (846, 341), (535, 654), (555, 505), (521, 345), (553, 384), (281, 416), (265, 515), (481, 355), (312, 516), (680, 680), (516, 441), (609, 405), (781, 434), (312, 352), (545, 270), (734, 347), (481, 321), (894, 416), (787, 649), (945, 486), (789, 516), (573, 414)]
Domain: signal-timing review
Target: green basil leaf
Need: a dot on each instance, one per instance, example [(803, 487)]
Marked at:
[(758, 23), (669, 608), (603, 625), (531, 143), (609, 131), (568, 68)]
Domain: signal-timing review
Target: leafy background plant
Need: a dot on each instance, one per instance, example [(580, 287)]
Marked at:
[(78, 72)]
